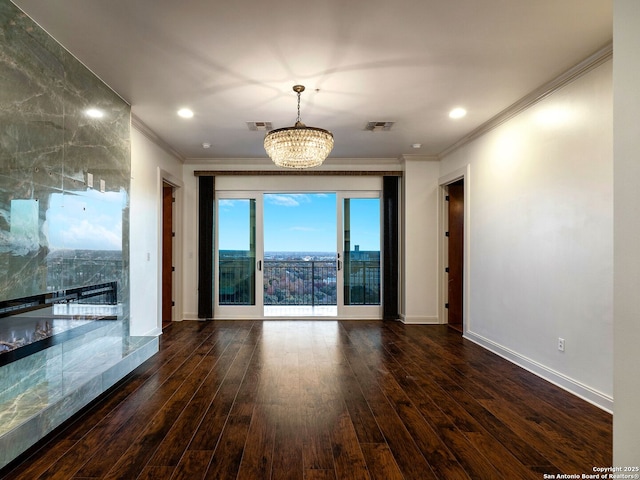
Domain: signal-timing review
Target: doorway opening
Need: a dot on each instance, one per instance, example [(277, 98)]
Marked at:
[(300, 264), (168, 269), (455, 256)]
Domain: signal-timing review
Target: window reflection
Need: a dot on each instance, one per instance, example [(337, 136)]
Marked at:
[(24, 236), (91, 221), (84, 236)]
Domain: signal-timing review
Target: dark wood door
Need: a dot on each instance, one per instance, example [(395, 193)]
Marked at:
[(456, 252), (167, 252)]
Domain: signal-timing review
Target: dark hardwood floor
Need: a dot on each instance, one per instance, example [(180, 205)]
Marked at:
[(324, 400)]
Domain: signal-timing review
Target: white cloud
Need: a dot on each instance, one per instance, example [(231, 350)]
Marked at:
[(287, 200), (89, 235), (92, 221)]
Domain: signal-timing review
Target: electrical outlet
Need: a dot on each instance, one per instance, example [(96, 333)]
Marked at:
[(561, 344)]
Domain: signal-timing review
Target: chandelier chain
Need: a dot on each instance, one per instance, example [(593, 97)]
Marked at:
[(298, 120)]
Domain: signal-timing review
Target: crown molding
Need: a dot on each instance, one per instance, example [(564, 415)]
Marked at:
[(299, 173), (266, 165), (593, 61), (417, 157), (141, 127)]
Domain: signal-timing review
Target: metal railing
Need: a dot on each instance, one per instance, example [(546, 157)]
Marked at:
[(291, 282), (237, 281), (362, 284), (64, 273), (298, 282)]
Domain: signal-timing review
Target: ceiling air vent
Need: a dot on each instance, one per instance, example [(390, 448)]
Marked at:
[(379, 126), (259, 126)]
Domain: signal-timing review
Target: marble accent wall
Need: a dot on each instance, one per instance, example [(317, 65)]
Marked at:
[(65, 169), (64, 174)]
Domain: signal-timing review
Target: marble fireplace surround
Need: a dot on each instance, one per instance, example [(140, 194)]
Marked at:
[(31, 324), (41, 391), (64, 224)]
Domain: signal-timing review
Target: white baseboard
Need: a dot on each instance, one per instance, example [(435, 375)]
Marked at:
[(419, 320), (245, 317), (153, 333), (599, 399)]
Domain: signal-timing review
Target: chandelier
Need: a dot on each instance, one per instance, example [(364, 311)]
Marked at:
[(298, 146)]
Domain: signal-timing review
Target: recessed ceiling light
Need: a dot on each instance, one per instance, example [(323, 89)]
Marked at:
[(206, 145), (457, 112), (94, 113), (417, 145), (185, 113)]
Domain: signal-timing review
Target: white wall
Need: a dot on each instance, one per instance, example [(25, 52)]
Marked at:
[(540, 204), (190, 242), (149, 163), (626, 72), (419, 249)]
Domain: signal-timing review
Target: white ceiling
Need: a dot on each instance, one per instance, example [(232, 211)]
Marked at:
[(407, 61)]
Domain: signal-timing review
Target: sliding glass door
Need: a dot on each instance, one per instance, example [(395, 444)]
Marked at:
[(239, 259), (303, 254), (359, 286)]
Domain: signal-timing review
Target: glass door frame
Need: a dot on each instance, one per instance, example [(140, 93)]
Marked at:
[(364, 312), (255, 310), (255, 186)]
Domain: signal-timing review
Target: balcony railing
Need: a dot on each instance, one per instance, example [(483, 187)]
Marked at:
[(237, 281), (362, 284), (297, 282), (293, 282)]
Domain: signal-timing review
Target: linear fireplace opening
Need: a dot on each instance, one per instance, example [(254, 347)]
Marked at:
[(31, 324)]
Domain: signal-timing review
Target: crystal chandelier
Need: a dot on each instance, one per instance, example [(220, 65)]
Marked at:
[(298, 146)]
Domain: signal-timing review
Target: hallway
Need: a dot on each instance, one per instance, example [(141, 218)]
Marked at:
[(325, 399)]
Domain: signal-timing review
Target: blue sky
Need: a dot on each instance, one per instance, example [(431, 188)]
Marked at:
[(293, 222), (301, 222), (298, 222), (91, 221)]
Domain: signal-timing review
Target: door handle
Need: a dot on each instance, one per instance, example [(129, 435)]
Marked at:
[(259, 265), (339, 265)]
